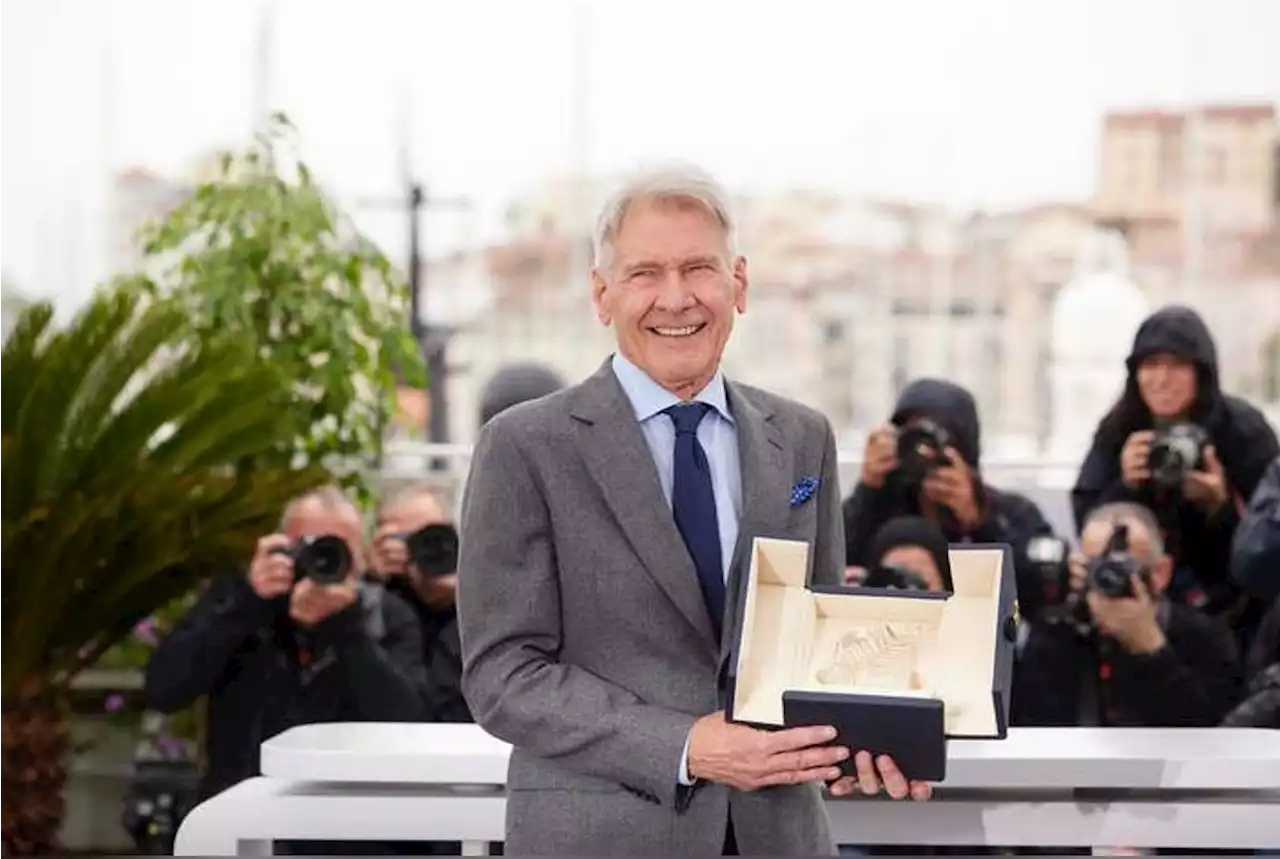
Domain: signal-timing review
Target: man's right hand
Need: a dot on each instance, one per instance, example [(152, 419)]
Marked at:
[(880, 457), (390, 554), (1133, 458), (271, 573), (748, 759)]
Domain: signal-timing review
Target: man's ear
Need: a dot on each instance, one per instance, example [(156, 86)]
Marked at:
[(598, 288), (740, 284)]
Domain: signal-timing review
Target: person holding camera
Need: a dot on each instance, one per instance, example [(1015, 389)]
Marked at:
[(300, 637), (1175, 443), (1116, 652), (926, 463), (909, 553), (415, 551)]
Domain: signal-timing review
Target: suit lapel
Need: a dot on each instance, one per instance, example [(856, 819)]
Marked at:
[(617, 456), (766, 481)]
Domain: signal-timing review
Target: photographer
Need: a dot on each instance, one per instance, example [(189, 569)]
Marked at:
[(926, 463), (1255, 555), (1172, 411), (415, 551), (1116, 652), (297, 639), (909, 552)]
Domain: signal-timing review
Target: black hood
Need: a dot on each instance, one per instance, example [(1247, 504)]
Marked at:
[(949, 405), (514, 384), (1179, 331)]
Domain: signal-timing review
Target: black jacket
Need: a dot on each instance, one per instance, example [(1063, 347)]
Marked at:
[(1262, 708), (1255, 553), (262, 675), (442, 653), (1194, 681), (1009, 517), (1244, 441)]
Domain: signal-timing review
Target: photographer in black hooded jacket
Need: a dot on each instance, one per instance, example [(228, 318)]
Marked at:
[(951, 493), (1173, 377)]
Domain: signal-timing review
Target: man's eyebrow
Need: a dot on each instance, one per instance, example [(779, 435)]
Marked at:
[(641, 265), (701, 260)]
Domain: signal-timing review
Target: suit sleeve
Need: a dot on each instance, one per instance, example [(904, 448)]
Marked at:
[(1255, 557), (829, 546), (509, 606)]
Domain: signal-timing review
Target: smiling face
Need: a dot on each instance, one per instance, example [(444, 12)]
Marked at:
[(1167, 384), (671, 291)]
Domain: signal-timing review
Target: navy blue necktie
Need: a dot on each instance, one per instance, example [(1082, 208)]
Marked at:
[(693, 501)]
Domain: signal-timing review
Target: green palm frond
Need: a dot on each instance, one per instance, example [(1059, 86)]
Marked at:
[(127, 474)]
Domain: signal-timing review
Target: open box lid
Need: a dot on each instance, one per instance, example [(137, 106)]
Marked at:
[(845, 640)]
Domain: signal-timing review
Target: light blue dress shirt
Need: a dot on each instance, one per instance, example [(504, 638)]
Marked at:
[(719, 438)]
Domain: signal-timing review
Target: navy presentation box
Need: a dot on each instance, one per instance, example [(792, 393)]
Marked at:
[(896, 672)]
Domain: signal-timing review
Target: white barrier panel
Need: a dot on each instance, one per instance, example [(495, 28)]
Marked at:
[(1073, 787)]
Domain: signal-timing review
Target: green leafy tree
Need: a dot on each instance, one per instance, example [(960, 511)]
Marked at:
[(121, 491), (262, 250)]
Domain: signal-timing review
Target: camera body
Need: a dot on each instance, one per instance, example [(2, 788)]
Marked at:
[(894, 577), (1050, 557), (324, 558), (922, 448), (433, 549), (1112, 573), (1176, 449)]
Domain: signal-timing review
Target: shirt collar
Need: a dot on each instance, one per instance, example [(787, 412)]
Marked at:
[(648, 398)]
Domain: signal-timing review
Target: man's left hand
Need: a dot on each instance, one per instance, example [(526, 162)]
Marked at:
[(310, 602), (1207, 489), (881, 773), (952, 486), (1129, 620)]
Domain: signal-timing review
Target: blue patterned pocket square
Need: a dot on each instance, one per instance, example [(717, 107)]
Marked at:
[(803, 491)]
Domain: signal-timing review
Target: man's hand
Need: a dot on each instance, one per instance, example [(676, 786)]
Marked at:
[(952, 487), (882, 772), (855, 575), (270, 571), (880, 457), (310, 603), (749, 759), (1133, 458), (1129, 620), (390, 555), (1207, 489)]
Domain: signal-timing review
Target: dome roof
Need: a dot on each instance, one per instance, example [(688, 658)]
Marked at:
[(1096, 315)]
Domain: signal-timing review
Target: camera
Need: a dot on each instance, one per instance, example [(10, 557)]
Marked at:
[(1111, 574), (1050, 558), (1176, 449), (922, 447), (325, 559), (895, 577), (433, 549)]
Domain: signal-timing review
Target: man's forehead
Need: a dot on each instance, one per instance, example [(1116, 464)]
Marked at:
[(1099, 531), (424, 504), (310, 512)]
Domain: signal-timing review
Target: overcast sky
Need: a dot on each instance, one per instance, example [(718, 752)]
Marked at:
[(970, 102)]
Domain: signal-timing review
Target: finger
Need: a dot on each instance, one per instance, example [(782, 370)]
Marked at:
[(273, 541), (814, 757), (921, 790), (843, 786), (1211, 462), (1140, 589), (791, 739), (892, 778), (954, 457), (1142, 437), (803, 776), (868, 781)]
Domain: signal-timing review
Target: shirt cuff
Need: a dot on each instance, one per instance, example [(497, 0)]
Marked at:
[(685, 779)]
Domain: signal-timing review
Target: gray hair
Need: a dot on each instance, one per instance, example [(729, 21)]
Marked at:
[(412, 492), (332, 498), (1127, 511), (674, 182)]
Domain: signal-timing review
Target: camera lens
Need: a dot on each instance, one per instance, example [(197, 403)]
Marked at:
[(433, 549), (325, 560)]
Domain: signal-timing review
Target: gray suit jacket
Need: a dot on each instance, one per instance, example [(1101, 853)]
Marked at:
[(585, 640)]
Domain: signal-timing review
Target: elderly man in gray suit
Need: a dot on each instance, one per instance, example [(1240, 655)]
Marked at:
[(603, 526)]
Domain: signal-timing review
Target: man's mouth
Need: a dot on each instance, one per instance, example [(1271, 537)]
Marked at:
[(677, 331)]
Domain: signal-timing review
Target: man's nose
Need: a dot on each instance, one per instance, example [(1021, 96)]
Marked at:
[(674, 294)]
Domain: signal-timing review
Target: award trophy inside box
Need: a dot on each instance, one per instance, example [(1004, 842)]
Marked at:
[(895, 672)]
